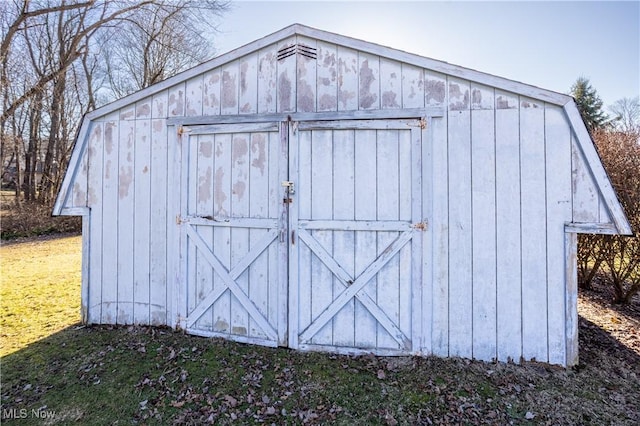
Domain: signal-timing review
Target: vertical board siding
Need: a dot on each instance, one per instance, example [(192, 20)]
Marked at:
[(533, 230), (267, 77), (412, 86), (95, 152), (584, 190), (193, 96), (365, 172), (229, 88), (508, 237), (460, 217), (248, 103), (327, 77), (390, 84), (80, 184), (343, 241), (306, 80), (347, 79), (109, 250), (158, 223), (142, 215), (211, 102), (483, 202), (368, 81), (558, 159), (286, 80), (126, 209)]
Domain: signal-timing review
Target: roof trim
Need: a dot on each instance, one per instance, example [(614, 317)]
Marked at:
[(597, 170), (72, 169), (357, 44)]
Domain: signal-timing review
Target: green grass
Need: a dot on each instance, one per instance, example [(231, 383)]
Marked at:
[(139, 375)]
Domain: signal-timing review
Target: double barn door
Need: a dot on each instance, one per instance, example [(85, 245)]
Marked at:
[(302, 234)]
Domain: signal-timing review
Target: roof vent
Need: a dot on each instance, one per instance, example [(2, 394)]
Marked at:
[(308, 51)]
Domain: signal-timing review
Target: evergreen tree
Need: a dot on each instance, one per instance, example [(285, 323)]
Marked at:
[(589, 104)]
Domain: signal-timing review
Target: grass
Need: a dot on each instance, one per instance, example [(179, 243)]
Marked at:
[(141, 375), (39, 290)]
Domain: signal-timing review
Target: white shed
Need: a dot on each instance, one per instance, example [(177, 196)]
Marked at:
[(319, 192)]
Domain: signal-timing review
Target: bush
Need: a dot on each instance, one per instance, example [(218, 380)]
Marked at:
[(29, 219), (617, 257)]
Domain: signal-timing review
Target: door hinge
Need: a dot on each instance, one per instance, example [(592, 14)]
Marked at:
[(420, 226)]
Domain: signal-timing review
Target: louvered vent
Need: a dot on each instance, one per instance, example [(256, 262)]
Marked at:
[(309, 52)]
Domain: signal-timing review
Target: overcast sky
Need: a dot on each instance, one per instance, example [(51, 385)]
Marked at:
[(546, 44)]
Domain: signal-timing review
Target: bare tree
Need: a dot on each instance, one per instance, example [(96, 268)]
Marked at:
[(626, 114), (51, 52)]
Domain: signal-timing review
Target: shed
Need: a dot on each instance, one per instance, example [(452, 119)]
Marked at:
[(319, 192)]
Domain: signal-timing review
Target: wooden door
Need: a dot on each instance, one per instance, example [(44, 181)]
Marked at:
[(355, 242), (234, 254)]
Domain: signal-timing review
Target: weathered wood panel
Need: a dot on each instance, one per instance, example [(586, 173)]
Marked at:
[(229, 89), (125, 225), (211, 102), (248, 103), (158, 222), (286, 83), (483, 202), (267, 78), (193, 96), (508, 234), (585, 192), (347, 79), (327, 77), (109, 250), (176, 103), (390, 84), (306, 80), (460, 221), (534, 230), (95, 151), (368, 81), (412, 86), (141, 221), (558, 159)]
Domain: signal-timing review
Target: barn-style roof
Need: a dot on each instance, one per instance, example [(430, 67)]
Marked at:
[(589, 153)]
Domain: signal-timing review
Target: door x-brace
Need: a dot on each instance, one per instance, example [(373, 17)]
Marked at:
[(229, 278), (355, 287)]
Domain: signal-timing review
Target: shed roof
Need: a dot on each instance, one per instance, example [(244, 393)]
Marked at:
[(582, 135)]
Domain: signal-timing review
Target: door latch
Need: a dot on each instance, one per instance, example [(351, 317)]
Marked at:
[(289, 186)]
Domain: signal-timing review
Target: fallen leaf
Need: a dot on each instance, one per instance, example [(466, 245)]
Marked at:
[(381, 375), (529, 415)]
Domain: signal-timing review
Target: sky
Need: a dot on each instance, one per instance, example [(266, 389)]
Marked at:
[(542, 43)]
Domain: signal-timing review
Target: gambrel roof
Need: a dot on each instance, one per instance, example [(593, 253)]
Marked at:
[(608, 201)]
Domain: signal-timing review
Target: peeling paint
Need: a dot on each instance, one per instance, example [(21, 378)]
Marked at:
[(126, 115), (143, 110), (458, 100), (124, 181), (476, 97), (502, 102), (206, 149), (218, 149), (80, 196), (108, 137), (159, 103), (389, 100), (240, 149), (435, 90), (221, 325), (258, 145), (219, 196), (367, 79), (327, 102), (145, 170), (306, 101), (204, 186), (92, 198), (246, 108), (239, 188), (526, 104), (243, 77), (229, 90), (239, 330), (107, 170), (284, 91), (177, 102), (158, 125)]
